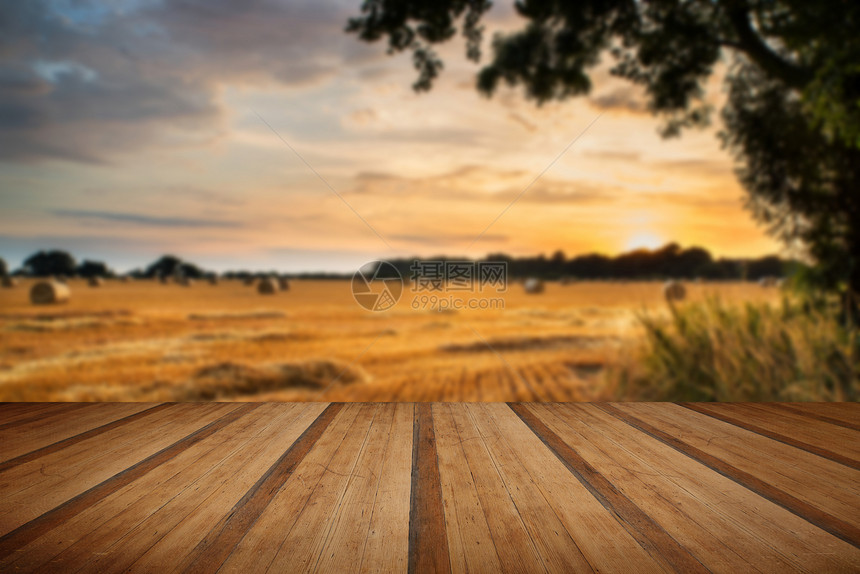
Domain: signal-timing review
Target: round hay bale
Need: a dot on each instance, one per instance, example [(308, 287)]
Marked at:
[(767, 282), (10, 282), (95, 282), (184, 281), (565, 280), (674, 291), (49, 292), (125, 279), (533, 286), (213, 280), (249, 281), (284, 284), (267, 286)]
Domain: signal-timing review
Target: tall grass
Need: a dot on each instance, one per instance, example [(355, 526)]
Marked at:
[(717, 352)]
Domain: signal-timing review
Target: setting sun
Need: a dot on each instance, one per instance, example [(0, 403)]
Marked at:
[(644, 240)]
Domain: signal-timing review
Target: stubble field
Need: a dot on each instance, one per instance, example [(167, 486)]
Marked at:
[(144, 341)]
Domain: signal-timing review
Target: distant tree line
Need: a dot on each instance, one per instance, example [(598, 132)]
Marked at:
[(669, 261), (59, 263)]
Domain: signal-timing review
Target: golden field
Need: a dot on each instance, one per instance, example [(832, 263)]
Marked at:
[(143, 341)]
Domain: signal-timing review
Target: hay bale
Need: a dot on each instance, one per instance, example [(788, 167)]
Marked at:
[(533, 286), (163, 279), (49, 292), (249, 281), (95, 282), (566, 280), (283, 284), (267, 286), (767, 282), (674, 291), (213, 280), (10, 282), (125, 279), (184, 281)]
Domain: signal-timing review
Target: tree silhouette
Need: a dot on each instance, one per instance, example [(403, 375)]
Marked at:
[(792, 119), (94, 269), (47, 263), (171, 265)]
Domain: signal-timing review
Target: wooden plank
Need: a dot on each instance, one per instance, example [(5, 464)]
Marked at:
[(603, 540), (642, 527), (846, 413), (68, 462), (303, 544), (108, 535), (22, 439), (47, 521), (797, 494), (13, 407), (261, 543), (36, 487), (133, 491), (838, 444), (817, 414), (118, 416), (16, 414), (832, 487), (183, 521), (515, 548), (219, 543), (348, 530), (704, 511), (470, 544), (386, 547), (428, 543), (557, 548)]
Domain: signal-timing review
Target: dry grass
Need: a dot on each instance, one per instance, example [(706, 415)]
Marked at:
[(148, 341), (720, 352)]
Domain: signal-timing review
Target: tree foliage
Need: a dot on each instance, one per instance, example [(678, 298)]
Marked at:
[(170, 266), (792, 119), (47, 263), (94, 269)]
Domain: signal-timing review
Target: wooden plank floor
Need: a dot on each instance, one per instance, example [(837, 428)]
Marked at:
[(429, 487)]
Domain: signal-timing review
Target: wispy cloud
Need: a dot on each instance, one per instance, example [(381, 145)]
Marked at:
[(146, 220)]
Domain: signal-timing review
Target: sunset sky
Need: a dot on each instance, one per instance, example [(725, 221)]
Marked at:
[(131, 128)]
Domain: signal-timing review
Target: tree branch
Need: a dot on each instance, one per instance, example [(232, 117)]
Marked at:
[(753, 46)]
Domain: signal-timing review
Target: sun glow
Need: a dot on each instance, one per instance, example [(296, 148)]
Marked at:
[(643, 240)]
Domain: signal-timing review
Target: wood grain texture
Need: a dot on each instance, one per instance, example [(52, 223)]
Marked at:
[(32, 529), (650, 535), (793, 430), (428, 542), (819, 414), (442, 487), (845, 413), (159, 501), (843, 529), (138, 413), (704, 511), (17, 416), (218, 544)]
